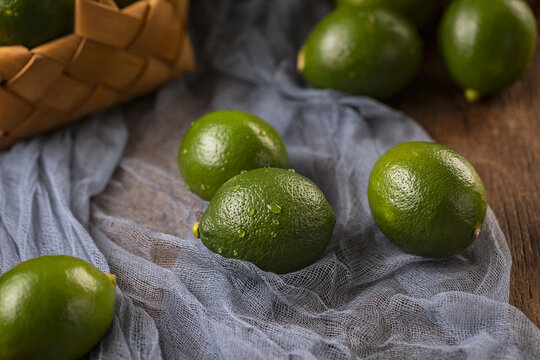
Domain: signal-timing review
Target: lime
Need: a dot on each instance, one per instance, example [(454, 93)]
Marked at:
[(54, 307), (34, 22), (221, 144), (418, 11), (274, 218), (427, 199), (365, 51), (487, 44)]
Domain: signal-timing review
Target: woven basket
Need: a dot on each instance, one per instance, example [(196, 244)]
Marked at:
[(112, 56)]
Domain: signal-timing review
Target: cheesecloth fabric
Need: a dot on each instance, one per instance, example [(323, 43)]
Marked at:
[(108, 190)]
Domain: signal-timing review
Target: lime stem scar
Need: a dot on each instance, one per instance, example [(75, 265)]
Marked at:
[(112, 278), (477, 232), (301, 61), (472, 95), (195, 230)]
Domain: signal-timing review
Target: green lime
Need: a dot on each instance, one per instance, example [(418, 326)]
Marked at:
[(418, 11), (427, 199), (221, 144), (34, 22), (54, 308), (365, 51), (274, 218), (487, 44)]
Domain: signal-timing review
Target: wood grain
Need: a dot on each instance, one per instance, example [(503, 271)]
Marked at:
[(501, 138)]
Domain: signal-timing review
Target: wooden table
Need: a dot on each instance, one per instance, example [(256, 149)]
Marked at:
[(500, 136)]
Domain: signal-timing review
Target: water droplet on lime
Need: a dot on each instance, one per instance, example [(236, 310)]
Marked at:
[(237, 187), (243, 171), (219, 250), (235, 253), (292, 170), (275, 221), (184, 152), (262, 133), (241, 233), (276, 209), (273, 234), (251, 210), (203, 187)]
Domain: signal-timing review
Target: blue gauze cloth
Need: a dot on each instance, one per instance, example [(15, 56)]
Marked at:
[(108, 190)]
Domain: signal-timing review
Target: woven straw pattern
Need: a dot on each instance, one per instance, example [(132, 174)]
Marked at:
[(112, 56)]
